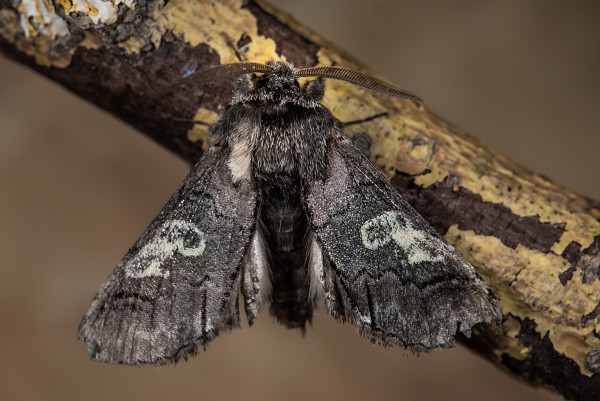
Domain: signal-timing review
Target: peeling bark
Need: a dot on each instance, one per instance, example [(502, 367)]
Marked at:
[(537, 244)]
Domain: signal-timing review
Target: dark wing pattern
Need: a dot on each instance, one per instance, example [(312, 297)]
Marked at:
[(177, 288), (384, 268)]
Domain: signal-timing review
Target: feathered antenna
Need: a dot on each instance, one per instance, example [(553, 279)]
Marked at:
[(231, 70), (359, 79)]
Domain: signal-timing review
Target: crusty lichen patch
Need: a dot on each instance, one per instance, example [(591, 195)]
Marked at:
[(39, 31), (99, 11), (221, 24), (38, 17), (38, 46), (527, 283)]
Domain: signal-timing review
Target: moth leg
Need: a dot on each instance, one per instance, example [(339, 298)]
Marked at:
[(190, 121), (229, 42), (365, 120)]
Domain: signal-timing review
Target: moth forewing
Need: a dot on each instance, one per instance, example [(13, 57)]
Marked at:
[(177, 288), (405, 284)]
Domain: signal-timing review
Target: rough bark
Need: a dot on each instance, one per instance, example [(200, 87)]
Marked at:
[(537, 244)]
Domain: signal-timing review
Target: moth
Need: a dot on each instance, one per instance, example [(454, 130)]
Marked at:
[(284, 208)]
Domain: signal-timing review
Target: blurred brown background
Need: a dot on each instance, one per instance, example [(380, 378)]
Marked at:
[(77, 187)]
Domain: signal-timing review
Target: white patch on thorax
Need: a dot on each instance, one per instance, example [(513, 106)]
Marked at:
[(170, 238), (240, 161), (240, 158), (380, 230)]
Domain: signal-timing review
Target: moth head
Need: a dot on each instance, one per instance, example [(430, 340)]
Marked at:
[(279, 81), (280, 78)]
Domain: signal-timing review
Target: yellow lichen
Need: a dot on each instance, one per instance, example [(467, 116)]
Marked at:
[(132, 45), (199, 132), (527, 283), (221, 24), (498, 180), (510, 330)]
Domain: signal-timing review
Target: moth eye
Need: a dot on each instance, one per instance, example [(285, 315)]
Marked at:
[(315, 89), (244, 83)]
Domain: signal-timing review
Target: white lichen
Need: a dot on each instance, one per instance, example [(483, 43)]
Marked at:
[(99, 11), (39, 17)]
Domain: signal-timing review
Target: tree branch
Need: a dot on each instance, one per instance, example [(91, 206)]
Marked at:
[(537, 244)]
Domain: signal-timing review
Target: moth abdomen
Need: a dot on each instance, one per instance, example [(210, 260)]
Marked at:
[(286, 234)]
